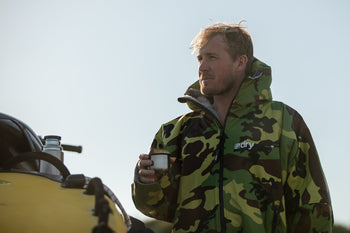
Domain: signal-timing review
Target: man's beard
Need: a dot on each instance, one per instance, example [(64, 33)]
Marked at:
[(228, 84)]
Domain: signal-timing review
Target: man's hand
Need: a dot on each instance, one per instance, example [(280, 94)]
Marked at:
[(147, 176)]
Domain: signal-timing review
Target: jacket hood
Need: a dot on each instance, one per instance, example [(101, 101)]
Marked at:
[(254, 90)]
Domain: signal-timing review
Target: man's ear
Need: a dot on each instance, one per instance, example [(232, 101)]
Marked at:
[(242, 62)]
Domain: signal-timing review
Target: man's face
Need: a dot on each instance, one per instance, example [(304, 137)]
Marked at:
[(218, 73)]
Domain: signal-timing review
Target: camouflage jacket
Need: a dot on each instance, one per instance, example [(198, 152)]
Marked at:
[(259, 172)]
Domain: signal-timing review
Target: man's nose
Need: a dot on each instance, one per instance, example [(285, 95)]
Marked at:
[(203, 66)]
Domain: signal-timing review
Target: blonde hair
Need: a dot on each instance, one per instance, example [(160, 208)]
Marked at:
[(236, 37)]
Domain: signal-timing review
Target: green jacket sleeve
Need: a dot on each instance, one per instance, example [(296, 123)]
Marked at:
[(157, 200), (308, 203)]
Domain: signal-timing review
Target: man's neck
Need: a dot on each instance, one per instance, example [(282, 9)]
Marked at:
[(222, 104)]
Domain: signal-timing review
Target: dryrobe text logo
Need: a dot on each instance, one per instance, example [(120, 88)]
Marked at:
[(244, 145)]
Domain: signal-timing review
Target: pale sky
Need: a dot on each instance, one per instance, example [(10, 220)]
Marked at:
[(107, 74)]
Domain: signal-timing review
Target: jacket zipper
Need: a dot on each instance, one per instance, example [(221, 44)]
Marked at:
[(221, 181), (219, 157), (275, 215)]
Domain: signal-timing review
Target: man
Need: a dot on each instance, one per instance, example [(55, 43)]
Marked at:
[(240, 162)]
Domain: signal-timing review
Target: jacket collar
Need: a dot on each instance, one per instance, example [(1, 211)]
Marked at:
[(254, 90)]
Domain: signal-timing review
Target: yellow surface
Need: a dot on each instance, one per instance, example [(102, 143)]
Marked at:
[(31, 203)]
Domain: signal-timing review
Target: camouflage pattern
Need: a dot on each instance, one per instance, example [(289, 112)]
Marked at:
[(260, 172)]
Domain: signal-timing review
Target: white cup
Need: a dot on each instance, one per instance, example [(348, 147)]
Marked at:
[(160, 163)]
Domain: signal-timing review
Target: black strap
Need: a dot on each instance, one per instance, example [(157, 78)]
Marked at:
[(37, 156), (102, 208)]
